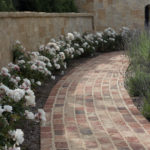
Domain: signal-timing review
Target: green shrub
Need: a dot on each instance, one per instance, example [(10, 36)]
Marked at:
[(26, 5), (6, 5), (146, 108), (139, 83), (138, 73), (111, 40), (38, 5), (64, 6), (45, 5)]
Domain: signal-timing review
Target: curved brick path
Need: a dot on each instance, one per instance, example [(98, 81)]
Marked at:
[(89, 109)]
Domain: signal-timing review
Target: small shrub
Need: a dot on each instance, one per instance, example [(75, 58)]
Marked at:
[(138, 73), (64, 6), (146, 108), (111, 40), (139, 83), (45, 5), (6, 5)]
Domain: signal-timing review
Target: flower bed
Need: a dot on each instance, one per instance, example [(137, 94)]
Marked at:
[(31, 69)]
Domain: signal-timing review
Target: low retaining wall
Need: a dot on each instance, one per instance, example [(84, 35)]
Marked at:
[(115, 13), (33, 29)]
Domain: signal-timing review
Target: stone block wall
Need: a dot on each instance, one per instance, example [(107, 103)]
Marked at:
[(85, 5), (115, 13), (34, 29)]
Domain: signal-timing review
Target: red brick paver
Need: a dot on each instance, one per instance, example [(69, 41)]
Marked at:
[(89, 109)]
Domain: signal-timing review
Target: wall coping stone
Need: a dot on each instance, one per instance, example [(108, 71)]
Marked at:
[(42, 14)]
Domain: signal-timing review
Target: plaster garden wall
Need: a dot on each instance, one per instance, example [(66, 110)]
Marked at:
[(115, 13), (34, 29)]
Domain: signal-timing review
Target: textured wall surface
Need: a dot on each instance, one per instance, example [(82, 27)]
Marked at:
[(33, 29), (115, 13)]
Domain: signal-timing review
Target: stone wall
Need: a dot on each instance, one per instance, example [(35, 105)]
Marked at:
[(115, 13), (33, 29)]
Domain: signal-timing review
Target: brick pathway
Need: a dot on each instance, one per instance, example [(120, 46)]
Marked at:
[(89, 109)]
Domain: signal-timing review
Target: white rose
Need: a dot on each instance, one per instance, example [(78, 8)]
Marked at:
[(8, 108), (30, 98), (18, 136), (39, 83), (29, 115)]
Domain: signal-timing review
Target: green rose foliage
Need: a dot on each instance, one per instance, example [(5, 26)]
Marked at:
[(45, 5)]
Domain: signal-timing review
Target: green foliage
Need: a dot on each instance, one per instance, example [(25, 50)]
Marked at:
[(111, 40), (16, 54), (64, 6), (139, 83), (6, 5), (38, 5), (26, 5), (146, 108), (45, 5), (138, 73)]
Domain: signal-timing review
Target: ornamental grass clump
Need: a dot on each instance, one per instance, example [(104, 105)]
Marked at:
[(138, 73), (31, 69)]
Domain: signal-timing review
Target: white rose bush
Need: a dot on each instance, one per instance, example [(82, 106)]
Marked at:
[(31, 69)]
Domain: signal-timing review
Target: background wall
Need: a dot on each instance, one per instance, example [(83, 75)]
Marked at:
[(115, 13), (33, 29)]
